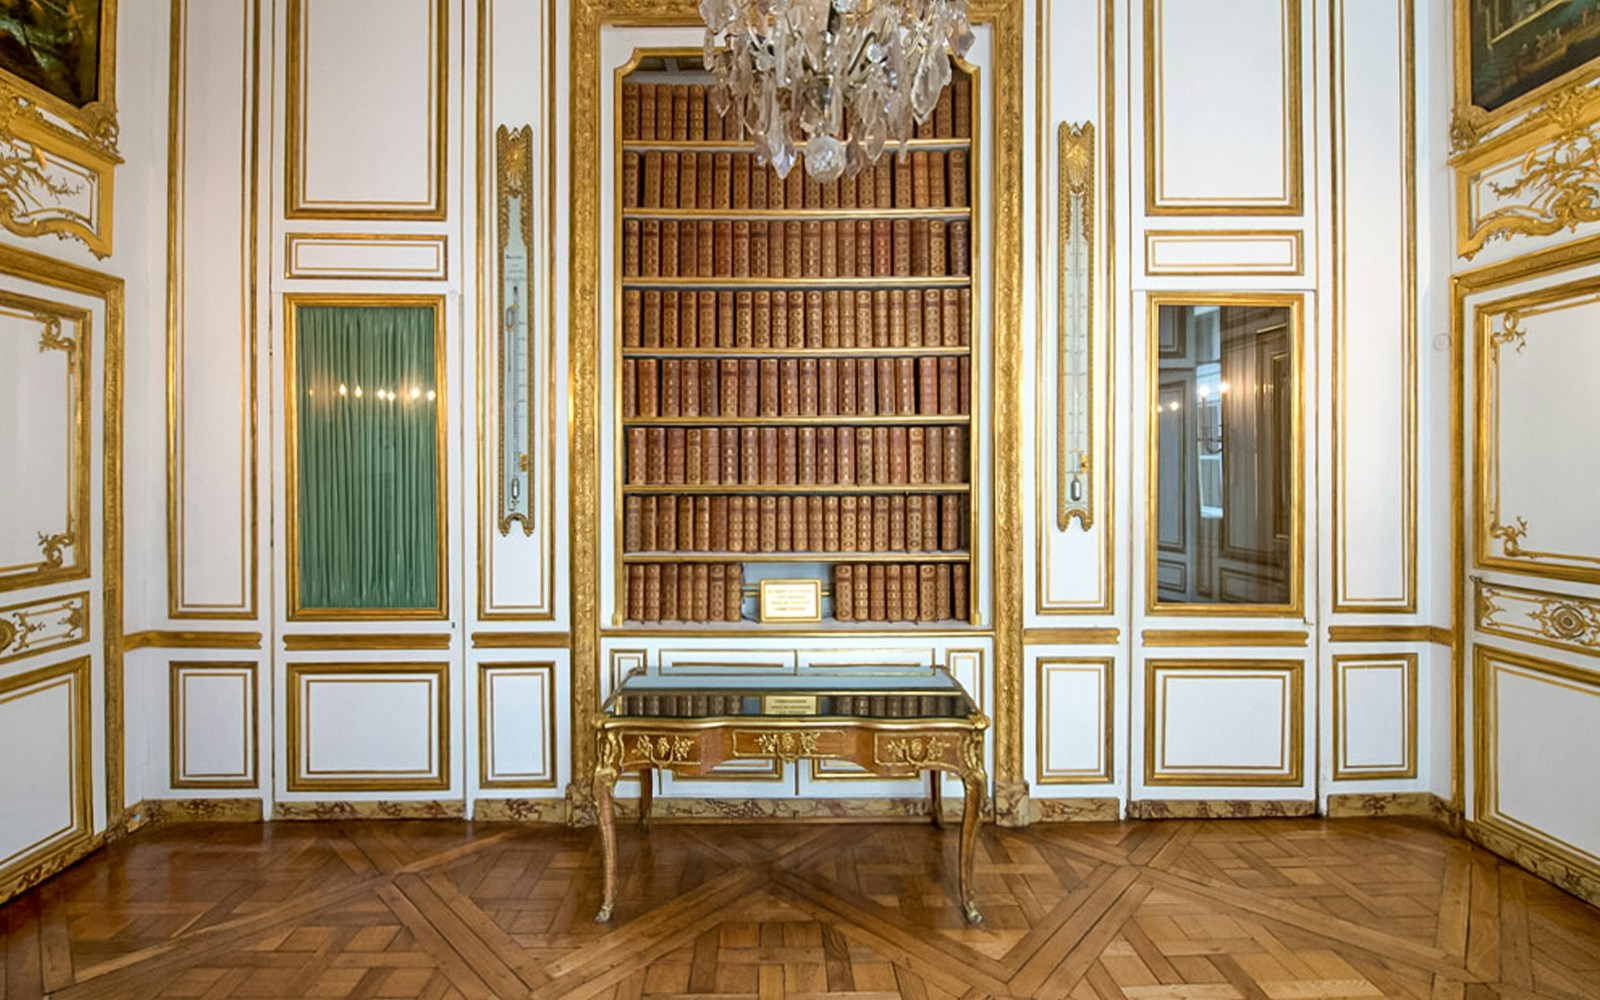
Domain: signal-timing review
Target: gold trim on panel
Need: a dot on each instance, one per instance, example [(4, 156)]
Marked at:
[(486, 725), (439, 242), (27, 862), (1105, 667), (1295, 304), (34, 142), (1071, 636), (298, 780), (1224, 638), (1154, 238), (42, 626), (191, 640), (178, 717), (1342, 664), (521, 640), (1293, 134), (328, 641), (1560, 621), (1390, 633), (96, 121), (291, 557), (178, 607), (1292, 755), (294, 161)]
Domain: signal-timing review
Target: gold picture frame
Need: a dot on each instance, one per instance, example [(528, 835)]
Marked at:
[(1473, 121)]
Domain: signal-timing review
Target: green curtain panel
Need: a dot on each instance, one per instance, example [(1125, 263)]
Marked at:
[(369, 457)]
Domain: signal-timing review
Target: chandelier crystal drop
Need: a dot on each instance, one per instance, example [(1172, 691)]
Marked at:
[(843, 77)]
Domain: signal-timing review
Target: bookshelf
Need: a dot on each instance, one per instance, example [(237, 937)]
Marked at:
[(794, 369)]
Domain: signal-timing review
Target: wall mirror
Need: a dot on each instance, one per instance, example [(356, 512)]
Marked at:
[(1224, 456)]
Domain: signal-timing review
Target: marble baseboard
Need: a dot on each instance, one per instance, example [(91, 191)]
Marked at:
[(1106, 809), (553, 810), (20, 880), (1565, 873), (1423, 804), (202, 810), (1221, 809), (398, 809)]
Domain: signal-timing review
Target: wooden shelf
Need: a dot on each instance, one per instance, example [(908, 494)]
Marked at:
[(756, 489), (960, 420), (838, 284), (797, 557), (735, 353), (797, 214)]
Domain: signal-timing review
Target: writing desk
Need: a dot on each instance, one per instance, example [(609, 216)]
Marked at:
[(892, 725)]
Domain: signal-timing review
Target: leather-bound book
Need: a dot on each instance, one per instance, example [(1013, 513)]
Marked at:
[(630, 388), (669, 180), (689, 397), (761, 319), (759, 245), (949, 387), (962, 114), (717, 592), (711, 455), (898, 455), (722, 248), (901, 165), (779, 325), (931, 333), (677, 455), (844, 253), (848, 534), (957, 170), (935, 456), (758, 185), (880, 524), (721, 180), (769, 455), (964, 319), (769, 524), (793, 250), (709, 387), (882, 312), (630, 248), (808, 387), (959, 246), (897, 524), (938, 251), (671, 387), (865, 243), (649, 388), (632, 317), (936, 180), (664, 112), (829, 248), (813, 522), (651, 197), (847, 191), (650, 330), (733, 529), (741, 181), (630, 525), (704, 245), (749, 457), (920, 186), (845, 319), (776, 190), (959, 592), (831, 530), (930, 523), (705, 182), (814, 318), (950, 318), (927, 594), (950, 522), (685, 574), (811, 248), (922, 129), (631, 167), (667, 523), (964, 385), (913, 307), (741, 249), (830, 319), (806, 458), (886, 386), (727, 321), (902, 248), (827, 468), (669, 593), (702, 524), (877, 594), (836, 395), (866, 443), (697, 112), (734, 610), (630, 112), (686, 524), (891, 595), (865, 313), (844, 597), (794, 194), (650, 248), (866, 184), (845, 456), (716, 125), (866, 387), (914, 516), (813, 191), (648, 525), (928, 386), (729, 389), (955, 459), (830, 195), (702, 593), (744, 320), (784, 541), (944, 126), (694, 456), (864, 525), (788, 456), (797, 319), (883, 247), (897, 321), (669, 319), (635, 611), (916, 460), (863, 600), (920, 239), (880, 456), (941, 590), (767, 387), (647, 112), (788, 387)]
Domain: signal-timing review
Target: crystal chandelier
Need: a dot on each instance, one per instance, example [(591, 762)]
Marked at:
[(792, 70)]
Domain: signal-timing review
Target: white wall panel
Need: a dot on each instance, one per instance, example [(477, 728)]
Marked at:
[(1223, 722), (44, 717), (1194, 253), (1074, 720), (41, 415), (517, 725), (376, 727), (418, 257), (214, 725), (1374, 716)]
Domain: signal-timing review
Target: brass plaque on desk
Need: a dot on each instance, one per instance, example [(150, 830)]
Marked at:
[(789, 704), (791, 601)]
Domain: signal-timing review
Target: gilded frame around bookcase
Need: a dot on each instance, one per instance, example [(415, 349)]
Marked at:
[(972, 281)]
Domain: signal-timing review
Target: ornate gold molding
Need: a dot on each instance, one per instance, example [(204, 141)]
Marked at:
[(1562, 621), (40, 626)]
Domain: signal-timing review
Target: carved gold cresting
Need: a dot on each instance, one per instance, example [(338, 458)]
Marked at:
[(1562, 619), (52, 339), (1075, 323)]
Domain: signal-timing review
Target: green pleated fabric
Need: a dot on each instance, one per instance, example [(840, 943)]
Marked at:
[(369, 458)]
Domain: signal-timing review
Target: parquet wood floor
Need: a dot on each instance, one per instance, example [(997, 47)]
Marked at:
[(1176, 910)]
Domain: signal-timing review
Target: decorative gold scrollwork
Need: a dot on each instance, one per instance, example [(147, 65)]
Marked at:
[(1510, 332), (8, 633), (1510, 535), (788, 745), (53, 546), (918, 750), (663, 751), (1558, 182), (51, 338)]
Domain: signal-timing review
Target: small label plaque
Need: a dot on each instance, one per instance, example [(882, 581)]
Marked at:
[(791, 600), (789, 704)]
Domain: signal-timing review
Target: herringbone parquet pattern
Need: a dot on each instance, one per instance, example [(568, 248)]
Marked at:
[(1177, 910)]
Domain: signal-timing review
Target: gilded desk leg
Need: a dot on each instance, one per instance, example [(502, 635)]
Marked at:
[(647, 791), (605, 782), (936, 797), (974, 780)]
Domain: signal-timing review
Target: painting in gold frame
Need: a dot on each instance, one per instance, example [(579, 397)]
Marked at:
[(1511, 54), (61, 56)]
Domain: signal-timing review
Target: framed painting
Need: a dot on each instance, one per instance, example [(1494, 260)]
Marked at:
[(1510, 54), (61, 56)]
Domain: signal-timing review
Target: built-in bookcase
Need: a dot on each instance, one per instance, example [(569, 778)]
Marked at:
[(794, 368)]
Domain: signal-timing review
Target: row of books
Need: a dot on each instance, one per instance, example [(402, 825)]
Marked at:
[(714, 181), (796, 248), (796, 387), (706, 704), (914, 592), (684, 592), (795, 456), (666, 112), (822, 319), (771, 524)]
